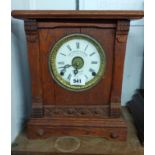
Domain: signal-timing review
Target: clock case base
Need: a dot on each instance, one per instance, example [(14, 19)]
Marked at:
[(113, 128)]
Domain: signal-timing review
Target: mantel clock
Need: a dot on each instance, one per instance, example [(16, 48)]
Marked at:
[(76, 64)]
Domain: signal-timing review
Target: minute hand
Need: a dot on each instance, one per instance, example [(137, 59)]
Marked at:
[(66, 66)]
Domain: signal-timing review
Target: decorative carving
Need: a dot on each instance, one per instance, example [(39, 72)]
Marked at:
[(121, 38), (31, 30), (123, 25), (36, 99), (37, 108), (37, 112), (115, 109), (122, 30), (76, 111)]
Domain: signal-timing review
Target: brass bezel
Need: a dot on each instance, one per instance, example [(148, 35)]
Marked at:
[(57, 77)]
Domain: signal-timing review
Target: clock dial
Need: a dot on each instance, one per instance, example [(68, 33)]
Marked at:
[(77, 62)]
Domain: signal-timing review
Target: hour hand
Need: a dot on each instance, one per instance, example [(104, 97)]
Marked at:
[(76, 71)]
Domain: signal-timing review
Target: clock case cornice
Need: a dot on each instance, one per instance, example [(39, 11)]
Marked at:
[(49, 14)]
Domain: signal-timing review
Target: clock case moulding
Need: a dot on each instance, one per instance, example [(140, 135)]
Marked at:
[(94, 112)]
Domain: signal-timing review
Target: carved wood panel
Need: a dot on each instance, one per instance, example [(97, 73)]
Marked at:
[(76, 111)]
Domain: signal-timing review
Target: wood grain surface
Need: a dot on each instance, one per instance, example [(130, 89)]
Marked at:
[(49, 100), (48, 14)]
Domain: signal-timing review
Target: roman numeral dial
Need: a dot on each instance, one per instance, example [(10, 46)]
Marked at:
[(77, 58), (77, 45)]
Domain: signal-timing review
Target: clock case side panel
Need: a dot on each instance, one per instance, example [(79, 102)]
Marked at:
[(121, 35), (35, 69)]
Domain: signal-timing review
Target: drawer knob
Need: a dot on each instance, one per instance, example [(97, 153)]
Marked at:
[(40, 132), (114, 135)]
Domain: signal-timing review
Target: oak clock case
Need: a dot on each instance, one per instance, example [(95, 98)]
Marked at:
[(76, 92), (77, 62)]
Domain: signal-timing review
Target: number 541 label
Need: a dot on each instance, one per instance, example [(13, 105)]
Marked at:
[(77, 80)]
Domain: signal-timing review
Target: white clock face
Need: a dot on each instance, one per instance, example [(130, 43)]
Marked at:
[(77, 62)]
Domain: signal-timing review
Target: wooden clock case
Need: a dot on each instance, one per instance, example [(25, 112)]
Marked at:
[(57, 111)]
